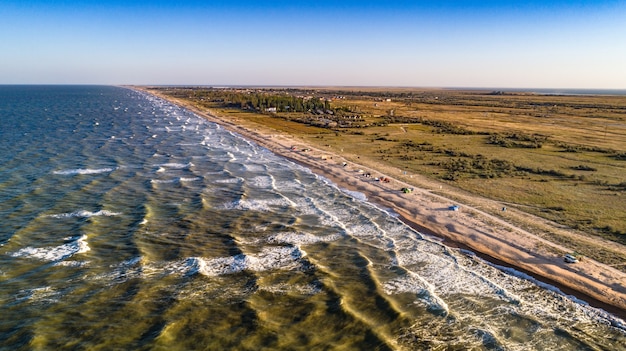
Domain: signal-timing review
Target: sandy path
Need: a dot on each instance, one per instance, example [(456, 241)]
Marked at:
[(490, 236)]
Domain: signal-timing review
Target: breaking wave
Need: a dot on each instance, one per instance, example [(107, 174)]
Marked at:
[(84, 171), (84, 214)]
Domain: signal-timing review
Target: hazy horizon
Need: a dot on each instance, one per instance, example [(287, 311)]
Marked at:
[(448, 44)]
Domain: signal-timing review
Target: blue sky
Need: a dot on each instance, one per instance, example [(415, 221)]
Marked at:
[(534, 44)]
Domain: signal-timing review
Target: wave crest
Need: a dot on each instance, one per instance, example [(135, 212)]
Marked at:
[(84, 214), (83, 171)]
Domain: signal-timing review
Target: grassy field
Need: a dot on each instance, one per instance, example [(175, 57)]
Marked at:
[(562, 158)]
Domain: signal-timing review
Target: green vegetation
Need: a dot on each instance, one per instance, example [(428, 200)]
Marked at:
[(558, 157), (518, 140), (260, 101)]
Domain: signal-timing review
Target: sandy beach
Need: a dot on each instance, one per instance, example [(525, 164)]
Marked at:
[(492, 238)]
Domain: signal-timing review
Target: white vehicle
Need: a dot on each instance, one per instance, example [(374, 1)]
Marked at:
[(569, 258)]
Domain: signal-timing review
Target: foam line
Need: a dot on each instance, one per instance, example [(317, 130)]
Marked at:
[(615, 321), (415, 284), (301, 238), (55, 253), (84, 214), (83, 171), (173, 165), (281, 257)]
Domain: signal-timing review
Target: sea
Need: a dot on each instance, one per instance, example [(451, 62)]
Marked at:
[(129, 223)]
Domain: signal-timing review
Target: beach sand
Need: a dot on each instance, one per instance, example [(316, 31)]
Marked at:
[(491, 238)]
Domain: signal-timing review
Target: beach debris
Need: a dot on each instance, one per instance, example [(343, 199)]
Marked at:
[(384, 179), (345, 164)]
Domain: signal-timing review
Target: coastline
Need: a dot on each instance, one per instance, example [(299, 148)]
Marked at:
[(470, 228)]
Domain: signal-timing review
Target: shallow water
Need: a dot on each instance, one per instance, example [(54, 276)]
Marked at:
[(129, 223)]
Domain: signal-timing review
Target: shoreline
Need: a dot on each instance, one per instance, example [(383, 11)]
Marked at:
[(489, 237), (431, 233)]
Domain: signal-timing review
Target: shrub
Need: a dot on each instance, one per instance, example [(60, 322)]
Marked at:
[(517, 140)]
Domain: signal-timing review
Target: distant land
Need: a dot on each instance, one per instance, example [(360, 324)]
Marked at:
[(538, 91)]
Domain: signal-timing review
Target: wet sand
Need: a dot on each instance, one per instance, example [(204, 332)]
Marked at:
[(471, 228)]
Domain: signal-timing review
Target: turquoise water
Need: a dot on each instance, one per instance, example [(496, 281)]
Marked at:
[(129, 223)]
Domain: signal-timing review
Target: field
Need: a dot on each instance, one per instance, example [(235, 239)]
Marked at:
[(558, 157)]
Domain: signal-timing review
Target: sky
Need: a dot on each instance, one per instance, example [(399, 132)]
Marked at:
[(508, 44)]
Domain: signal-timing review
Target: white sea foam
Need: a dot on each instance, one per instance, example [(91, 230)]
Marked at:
[(216, 266), (271, 258), (122, 272), (259, 205), (44, 294), (73, 264), (301, 238), (284, 288), (307, 206), (264, 182), (162, 181), (257, 168), (364, 230), (414, 284), (194, 179), (291, 185), (595, 312), (84, 171), (452, 278), (283, 257), (355, 194), (229, 180), (84, 214), (372, 235), (173, 165), (55, 253)]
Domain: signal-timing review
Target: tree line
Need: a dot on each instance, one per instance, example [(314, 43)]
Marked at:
[(261, 101)]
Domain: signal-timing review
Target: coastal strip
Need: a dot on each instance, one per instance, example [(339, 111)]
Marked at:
[(456, 224)]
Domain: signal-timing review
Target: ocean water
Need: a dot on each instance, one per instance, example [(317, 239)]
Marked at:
[(130, 223)]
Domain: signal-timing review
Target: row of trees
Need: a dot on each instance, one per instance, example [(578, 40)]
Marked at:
[(262, 101)]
